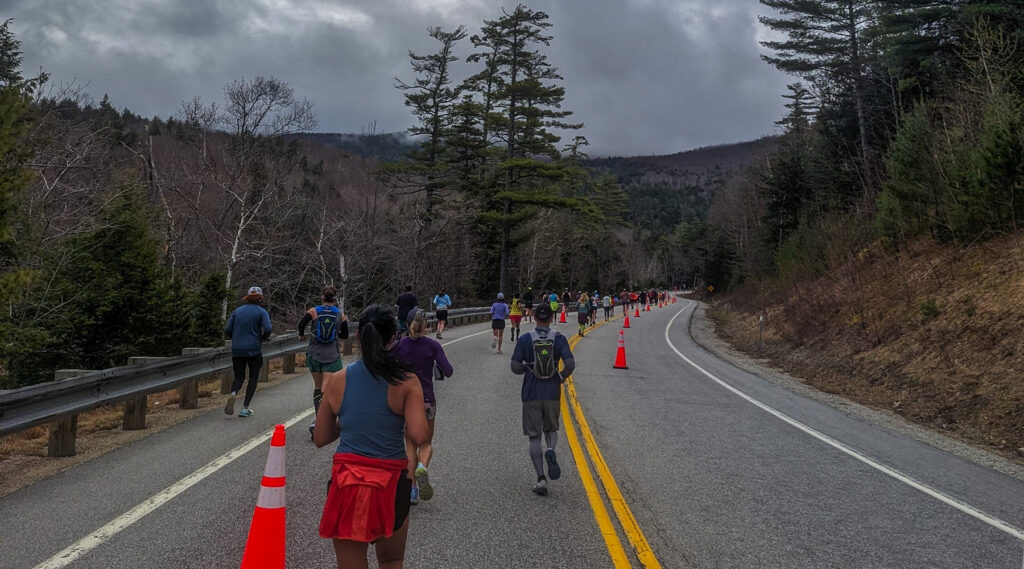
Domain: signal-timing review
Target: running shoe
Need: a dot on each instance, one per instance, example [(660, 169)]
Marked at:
[(494, 343), (311, 426), (414, 496), (541, 487), (438, 335), (554, 471), (423, 480), (229, 407), (245, 412)]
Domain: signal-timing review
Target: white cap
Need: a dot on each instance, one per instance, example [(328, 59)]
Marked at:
[(501, 296), (256, 290)]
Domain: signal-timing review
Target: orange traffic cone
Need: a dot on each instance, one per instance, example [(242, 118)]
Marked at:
[(620, 355), (265, 546), (648, 308), (637, 313), (561, 319), (625, 323), (660, 305)]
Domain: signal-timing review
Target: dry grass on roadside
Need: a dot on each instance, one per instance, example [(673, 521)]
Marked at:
[(935, 334), (23, 459)]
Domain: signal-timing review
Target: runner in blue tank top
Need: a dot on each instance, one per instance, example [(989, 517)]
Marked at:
[(372, 406)]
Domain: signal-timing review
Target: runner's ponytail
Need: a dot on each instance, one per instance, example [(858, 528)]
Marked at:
[(377, 328)]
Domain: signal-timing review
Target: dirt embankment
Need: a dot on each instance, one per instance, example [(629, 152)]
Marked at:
[(935, 334)]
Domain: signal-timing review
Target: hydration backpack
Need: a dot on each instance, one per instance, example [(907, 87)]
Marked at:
[(325, 328), (545, 363)]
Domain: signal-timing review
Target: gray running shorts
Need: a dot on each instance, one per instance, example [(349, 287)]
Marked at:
[(540, 416)]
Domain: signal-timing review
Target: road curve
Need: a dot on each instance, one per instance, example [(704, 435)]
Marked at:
[(713, 479)]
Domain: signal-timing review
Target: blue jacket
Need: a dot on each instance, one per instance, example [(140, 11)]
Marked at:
[(248, 327)]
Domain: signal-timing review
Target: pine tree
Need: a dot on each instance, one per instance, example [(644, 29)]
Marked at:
[(827, 41), (432, 100), (521, 100), (801, 109)]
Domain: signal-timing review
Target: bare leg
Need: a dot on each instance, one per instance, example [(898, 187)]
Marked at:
[(426, 452), (391, 550), (501, 335), (351, 554), (410, 453)]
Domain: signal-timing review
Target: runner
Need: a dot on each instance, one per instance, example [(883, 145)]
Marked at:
[(583, 312), (442, 302), (499, 312), (322, 355), (406, 302), (528, 304), (566, 300), (248, 327), (515, 315), (606, 302), (536, 358), (624, 302), (553, 301), (423, 354), (374, 407), (595, 302)]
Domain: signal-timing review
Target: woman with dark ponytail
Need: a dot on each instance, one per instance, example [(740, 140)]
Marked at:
[(372, 405)]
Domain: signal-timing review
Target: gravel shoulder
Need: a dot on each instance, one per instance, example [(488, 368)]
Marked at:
[(702, 329)]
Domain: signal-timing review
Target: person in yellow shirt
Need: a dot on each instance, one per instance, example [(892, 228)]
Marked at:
[(515, 315)]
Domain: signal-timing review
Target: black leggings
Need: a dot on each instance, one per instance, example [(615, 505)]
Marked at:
[(253, 363)]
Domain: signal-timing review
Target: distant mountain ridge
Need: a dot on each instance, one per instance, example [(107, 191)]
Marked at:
[(666, 190)]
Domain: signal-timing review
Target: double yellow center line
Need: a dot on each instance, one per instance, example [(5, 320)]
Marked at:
[(611, 488)]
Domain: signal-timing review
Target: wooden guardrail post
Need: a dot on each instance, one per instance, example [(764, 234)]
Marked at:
[(288, 361), (135, 409), (63, 433), (188, 393), (228, 377), (346, 345)]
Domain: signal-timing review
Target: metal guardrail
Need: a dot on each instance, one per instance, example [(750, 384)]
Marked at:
[(58, 403)]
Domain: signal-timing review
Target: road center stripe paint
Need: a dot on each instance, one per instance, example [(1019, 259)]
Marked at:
[(98, 537), (938, 495), (604, 521), (611, 487)]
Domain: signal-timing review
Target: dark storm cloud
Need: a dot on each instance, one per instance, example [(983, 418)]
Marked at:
[(646, 76)]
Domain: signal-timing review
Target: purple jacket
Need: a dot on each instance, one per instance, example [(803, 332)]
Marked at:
[(499, 311), (421, 354)]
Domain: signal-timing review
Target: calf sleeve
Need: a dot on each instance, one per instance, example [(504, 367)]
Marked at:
[(537, 455), (318, 396), (551, 439)]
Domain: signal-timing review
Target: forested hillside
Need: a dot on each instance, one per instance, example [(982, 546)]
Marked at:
[(880, 240), (125, 235)]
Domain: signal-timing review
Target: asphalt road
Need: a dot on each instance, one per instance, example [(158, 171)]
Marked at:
[(712, 480)]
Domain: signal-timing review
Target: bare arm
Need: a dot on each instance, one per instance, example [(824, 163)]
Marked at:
[(416, 428)]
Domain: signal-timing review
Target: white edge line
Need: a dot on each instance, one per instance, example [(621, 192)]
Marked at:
[(96, 538), (464, 337), (938, 495)]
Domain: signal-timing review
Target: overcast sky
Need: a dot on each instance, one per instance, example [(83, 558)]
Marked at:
[(645, 76)]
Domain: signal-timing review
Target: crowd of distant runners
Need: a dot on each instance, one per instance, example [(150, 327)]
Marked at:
[(384, 421)]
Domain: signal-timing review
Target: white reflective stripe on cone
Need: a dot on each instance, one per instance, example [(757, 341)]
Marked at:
[(270, 498), (275, 463)]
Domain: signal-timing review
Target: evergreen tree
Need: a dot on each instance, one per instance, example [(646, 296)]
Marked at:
[(827, 42), (432, 99), (521, 101), (801, 109)]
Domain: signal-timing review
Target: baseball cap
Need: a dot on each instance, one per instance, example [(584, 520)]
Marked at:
[(543, 312), (256, 290), (501, 296)]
